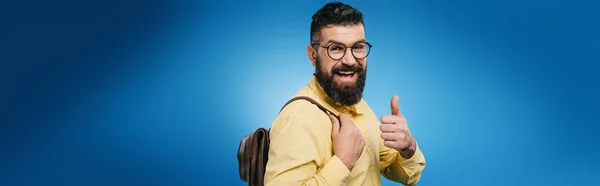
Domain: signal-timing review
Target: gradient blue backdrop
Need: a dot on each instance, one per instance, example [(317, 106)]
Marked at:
[(160, 92)]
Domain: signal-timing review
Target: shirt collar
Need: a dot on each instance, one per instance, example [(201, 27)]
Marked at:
[(351, 110)]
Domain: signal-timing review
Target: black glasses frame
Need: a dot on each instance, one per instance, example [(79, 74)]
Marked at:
[(346, 49)]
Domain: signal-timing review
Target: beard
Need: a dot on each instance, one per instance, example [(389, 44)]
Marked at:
[(343, 94)]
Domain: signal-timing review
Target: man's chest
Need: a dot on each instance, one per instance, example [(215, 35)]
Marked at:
[(366, 170)]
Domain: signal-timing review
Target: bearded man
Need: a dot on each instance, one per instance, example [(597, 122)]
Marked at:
[(309, 147)]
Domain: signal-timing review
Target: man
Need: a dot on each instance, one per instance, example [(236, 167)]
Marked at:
[(308, 147)]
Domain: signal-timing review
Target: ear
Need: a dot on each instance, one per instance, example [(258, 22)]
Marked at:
[(312, 55)]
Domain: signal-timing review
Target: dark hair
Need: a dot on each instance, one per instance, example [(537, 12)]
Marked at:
[(335, 13)]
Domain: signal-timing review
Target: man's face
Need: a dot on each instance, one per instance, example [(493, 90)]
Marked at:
[(344, 79)]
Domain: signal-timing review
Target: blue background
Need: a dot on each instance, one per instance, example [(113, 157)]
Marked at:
[(160, 92)]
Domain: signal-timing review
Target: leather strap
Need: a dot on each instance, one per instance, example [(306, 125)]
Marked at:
[(327, 111)]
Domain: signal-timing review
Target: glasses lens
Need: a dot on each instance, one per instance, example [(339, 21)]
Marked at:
[(360, 50), (336, 51)]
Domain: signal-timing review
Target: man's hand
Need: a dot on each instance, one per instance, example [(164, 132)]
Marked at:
[(348, 142), (395, 133)]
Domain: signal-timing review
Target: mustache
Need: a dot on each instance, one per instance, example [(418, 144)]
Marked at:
[(355, 68)]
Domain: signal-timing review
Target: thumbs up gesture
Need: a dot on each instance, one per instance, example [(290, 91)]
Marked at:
[(395, 133)]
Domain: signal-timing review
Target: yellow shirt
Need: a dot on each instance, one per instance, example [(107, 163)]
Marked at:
[(301, 151)]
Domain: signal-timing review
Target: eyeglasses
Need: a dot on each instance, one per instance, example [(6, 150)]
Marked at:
[(337, 51)]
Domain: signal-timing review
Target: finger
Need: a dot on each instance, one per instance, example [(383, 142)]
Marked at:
[(395, 107), (391, 119), (386, 136), (335, 124), (388, 128), (398, 144), (345, 121), (394, 136), (390, 144), (393, 128)]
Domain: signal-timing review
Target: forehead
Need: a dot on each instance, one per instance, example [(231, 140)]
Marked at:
[(347, 34)]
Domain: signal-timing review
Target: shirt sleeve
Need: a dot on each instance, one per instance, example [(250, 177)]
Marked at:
[(296, 154), (396, 168)]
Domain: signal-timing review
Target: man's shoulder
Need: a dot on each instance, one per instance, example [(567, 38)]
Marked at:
[(302, 108), (302, 112)]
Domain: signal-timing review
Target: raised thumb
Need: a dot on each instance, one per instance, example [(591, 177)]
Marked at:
[(394, 106)]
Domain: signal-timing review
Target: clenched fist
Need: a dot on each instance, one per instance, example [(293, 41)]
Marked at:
[(395, 133), (348, 142)]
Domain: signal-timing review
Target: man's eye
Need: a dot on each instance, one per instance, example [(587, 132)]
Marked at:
[(336, 48), (360, 46)]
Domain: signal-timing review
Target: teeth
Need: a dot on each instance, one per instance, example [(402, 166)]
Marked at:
[(346, 72)]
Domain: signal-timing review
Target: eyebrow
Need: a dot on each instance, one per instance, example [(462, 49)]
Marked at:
[(337, 42)]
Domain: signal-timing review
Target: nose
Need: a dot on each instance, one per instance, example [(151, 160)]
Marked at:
[(349, 59)]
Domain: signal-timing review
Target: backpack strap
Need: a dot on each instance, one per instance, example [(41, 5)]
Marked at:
[(327, 111)]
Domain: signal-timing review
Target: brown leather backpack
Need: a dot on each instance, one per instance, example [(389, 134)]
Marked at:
[(254, 150)]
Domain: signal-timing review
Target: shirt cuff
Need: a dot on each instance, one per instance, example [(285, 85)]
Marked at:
[(410, 162), (335, 172)]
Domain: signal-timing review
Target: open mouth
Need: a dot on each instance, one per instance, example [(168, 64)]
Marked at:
[(346, 76)]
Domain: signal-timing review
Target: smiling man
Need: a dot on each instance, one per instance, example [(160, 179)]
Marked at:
[(309, 147)]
